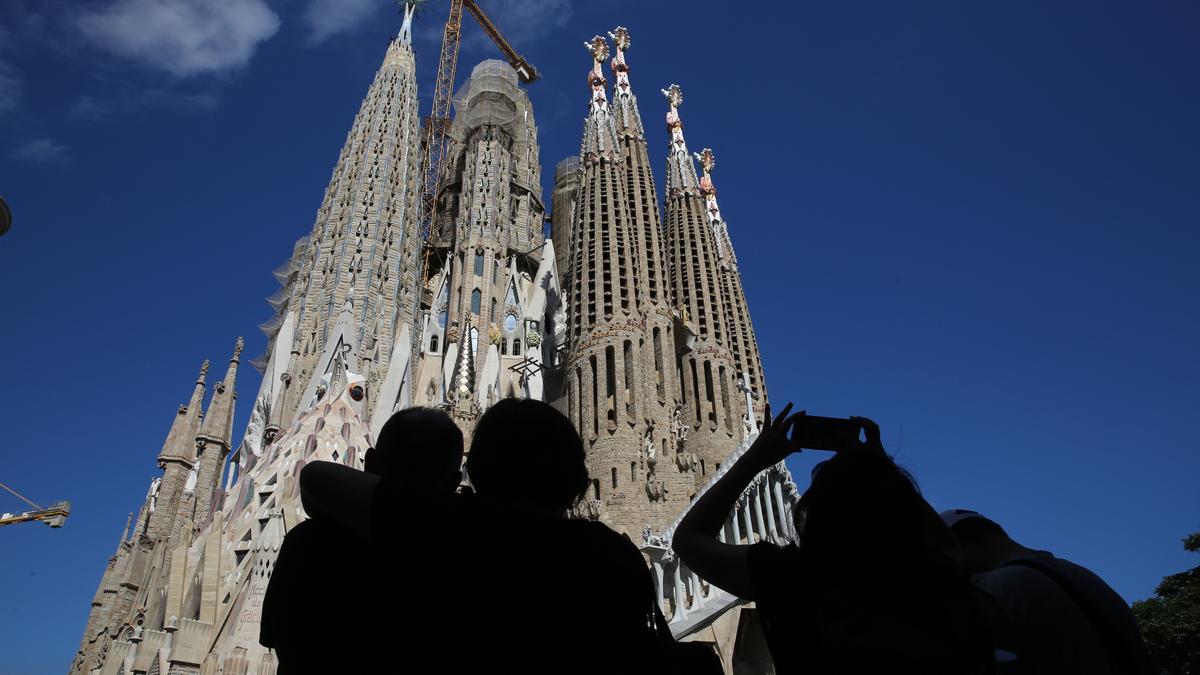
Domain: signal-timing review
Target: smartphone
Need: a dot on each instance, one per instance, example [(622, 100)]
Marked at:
[(826, 433)]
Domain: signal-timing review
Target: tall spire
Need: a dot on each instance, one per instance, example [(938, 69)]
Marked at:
[(364, 244), (742, 340), (681, 173), (181, 439), (214, 440)]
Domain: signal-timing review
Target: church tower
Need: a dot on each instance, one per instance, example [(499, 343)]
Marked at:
[(742, 338), (364, 249), (612, 388), (488, 247), (708, 372)]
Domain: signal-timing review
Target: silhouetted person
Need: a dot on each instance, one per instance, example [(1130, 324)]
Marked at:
[(321, 613), (585, 598), (515, 584), (870, 585), (1055, 616)]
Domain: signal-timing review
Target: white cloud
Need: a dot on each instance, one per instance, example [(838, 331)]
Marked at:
[(520, 21), (326, 18), (10, 87), (181, 37), (42, 151)]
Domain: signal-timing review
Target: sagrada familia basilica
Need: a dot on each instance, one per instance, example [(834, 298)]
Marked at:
[(630, 318)]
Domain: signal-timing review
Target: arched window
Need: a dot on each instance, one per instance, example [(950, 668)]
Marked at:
[(433, 344), (595, 488), (633, 471), (478, 264), (492, 312), (503, 347), (614, 477), (476, 299), (517, 347)]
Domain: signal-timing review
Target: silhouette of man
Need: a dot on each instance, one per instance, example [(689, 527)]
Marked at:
[(317, 597), (1055, 616)]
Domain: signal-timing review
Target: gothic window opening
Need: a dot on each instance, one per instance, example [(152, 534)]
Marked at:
[(725, 399), (710, 395), (596, 488), (433, 344), (517, 347), (478, 264), (633, 472), (610, 387), (614, 478), (660, 376), (595, 398), (476, 299), (630, 378)]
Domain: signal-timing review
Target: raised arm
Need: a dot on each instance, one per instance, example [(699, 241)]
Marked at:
[(330, 490), (695, 540)]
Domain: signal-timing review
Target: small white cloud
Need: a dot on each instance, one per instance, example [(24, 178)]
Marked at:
[(521, 21), (326, 18), (181, 37), (42, 151), (10, 87)]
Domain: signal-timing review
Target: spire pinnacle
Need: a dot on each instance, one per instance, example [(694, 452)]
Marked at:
[(219, 420), (598, 47), (180, 445), (681, 173), (716, 222), (620, 38), (405, 35), (599, 131)]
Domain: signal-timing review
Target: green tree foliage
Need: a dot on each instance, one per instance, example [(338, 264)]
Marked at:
[(1170, 621)]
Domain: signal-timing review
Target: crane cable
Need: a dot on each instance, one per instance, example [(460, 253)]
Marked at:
[(21, 497)]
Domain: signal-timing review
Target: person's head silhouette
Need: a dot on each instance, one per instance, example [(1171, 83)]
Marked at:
[(527, 454), (860, 506), (421, 444)]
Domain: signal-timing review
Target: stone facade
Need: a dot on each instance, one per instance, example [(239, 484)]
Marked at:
[(642, 343)]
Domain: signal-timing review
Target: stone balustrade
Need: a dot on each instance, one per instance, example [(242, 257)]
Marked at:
[(763, 513)]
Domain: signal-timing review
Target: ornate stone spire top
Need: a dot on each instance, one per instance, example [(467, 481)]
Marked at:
[(720, 230), (681, 173), (707, 162), (620, 38), (628, 119), (598, 47), (405, 35), (599, 131), (203, 372)]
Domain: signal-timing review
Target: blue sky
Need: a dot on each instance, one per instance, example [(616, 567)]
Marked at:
[(976, 223)]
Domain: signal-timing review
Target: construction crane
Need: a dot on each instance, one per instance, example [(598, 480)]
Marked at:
[(54, 516), (437, 125)]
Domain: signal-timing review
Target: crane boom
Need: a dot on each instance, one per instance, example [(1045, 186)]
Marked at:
[(54, 516), (437, 125), (525, 69)]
